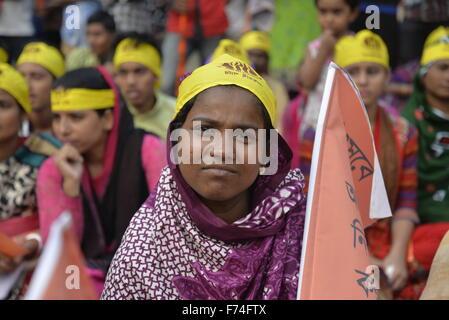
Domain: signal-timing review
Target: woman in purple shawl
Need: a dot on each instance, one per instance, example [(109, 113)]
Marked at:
[(217, 231)]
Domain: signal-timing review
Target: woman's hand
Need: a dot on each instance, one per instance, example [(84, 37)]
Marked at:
[(70, 163), (328, 41), (395, 267), (8, 264)]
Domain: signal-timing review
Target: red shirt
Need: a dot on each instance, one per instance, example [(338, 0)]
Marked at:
[(212, 18)]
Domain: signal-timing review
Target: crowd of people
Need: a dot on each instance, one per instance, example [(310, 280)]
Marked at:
[(87, 118)]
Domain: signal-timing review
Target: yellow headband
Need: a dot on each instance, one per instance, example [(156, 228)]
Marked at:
[(3, 56), (436, 46), (12, 82), (81, 99), (365, 46), (43, 55), (255, 40), (232, 48), (129, 50), (226, 70)]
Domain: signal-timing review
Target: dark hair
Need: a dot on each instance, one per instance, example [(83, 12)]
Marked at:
[(182, 115), (83, 78), (353, 4), (104, 18), (139, 38)]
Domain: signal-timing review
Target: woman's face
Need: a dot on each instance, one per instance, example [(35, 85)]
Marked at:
[(371, 80), (136, 82), (223, 108), (259, 59), (436, 80), (40, 82), (11, 116), (84, 129)]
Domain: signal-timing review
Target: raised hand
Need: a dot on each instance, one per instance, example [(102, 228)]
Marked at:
[(70, 163)]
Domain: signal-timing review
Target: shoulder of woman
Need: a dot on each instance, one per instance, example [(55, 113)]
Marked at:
[(152, 143), (48, 170), (403, 127), (153, 151)]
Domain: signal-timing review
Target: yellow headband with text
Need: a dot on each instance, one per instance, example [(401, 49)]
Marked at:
[(255, 40), (227, 46), (226, 70), (436, 46), (12, 82), (130, 50), (43, 55), (81, 99), (365, 46)]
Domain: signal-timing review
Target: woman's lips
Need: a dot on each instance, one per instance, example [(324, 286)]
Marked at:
[(221, 171), (133, 94)]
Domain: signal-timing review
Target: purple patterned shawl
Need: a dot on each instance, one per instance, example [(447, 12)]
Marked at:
[(176, 248)]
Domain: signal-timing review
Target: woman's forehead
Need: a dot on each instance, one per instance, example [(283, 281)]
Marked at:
[(364, 65), (440, 63), (228, 103), (77, 112), (224, 96), (6, 96), (31, 67)]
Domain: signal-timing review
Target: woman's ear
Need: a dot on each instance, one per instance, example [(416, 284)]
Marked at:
[(108, 120)]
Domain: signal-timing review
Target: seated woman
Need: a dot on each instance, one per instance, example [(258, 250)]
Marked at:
[(20, 160), (365, 58), (428, 110), (104, 170), (217, 231)]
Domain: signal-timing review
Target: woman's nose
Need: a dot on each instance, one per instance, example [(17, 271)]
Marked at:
[(64, 127)]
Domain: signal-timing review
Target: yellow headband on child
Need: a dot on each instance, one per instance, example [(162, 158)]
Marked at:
[(255, 40), (43, 55), (3, 56), (129, 50), (436, 46), (81, 99), (12, 82), (365, 46), (232, 48), (226, 70)]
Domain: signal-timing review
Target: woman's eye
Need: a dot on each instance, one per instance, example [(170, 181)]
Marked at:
[(245, 138), (373, 71), (201, 128), (444, 67), (352, 73), (76, 117)]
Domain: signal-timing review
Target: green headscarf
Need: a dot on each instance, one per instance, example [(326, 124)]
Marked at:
[(433, 155)]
